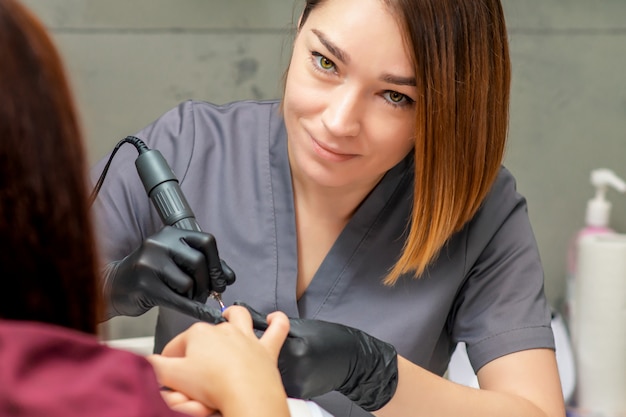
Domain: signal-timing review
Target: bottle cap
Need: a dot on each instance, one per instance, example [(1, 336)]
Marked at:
[(598, 212), (598, 208)]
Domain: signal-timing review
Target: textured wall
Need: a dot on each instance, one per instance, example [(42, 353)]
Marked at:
[(131, 61), (568, 115)]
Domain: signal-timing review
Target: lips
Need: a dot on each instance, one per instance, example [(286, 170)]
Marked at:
[(328, 154)]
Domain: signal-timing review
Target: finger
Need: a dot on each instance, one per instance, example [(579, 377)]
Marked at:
[(259, 321), (229, 274), (194, 409), (206, 244), (166, 368), (180, 402), (175, 348), (190, 257), (240, 317), (178, 374), (173, 398), (175, 278), (276, 333), (187, 270), (191, 308)]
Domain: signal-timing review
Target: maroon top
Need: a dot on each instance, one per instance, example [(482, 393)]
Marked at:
[(52, 371)]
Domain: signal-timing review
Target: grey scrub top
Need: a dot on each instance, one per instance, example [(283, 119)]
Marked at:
[(484, 289)]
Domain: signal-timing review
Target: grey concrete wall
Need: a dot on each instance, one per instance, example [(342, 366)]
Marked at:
[(568, 115), (132, 60)]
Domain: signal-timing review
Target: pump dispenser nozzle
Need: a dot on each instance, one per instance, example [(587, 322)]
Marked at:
[(599, 208)]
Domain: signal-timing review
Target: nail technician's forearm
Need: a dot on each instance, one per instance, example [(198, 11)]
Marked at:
[(519, 394)]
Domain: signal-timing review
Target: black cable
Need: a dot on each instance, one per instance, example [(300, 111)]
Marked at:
[(136, 142)]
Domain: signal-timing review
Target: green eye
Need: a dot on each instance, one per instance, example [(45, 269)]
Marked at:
[(396, 99), (326, 63), (395, 96), (322, 62)]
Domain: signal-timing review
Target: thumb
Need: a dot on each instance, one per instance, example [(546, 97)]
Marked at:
[(276, 333)]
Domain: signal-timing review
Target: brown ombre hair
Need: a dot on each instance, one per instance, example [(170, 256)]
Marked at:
[(462, 67), (48, 260)]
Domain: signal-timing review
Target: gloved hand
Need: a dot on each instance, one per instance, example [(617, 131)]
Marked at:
[(319, 357), (173, 268)]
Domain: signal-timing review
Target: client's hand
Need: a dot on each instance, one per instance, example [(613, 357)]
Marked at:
[(226, 367), (178, 401)]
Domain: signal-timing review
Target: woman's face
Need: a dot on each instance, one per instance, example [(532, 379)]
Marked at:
[(349, 97)]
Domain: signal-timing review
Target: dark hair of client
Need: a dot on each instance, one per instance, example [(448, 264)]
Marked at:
[(48, 259)]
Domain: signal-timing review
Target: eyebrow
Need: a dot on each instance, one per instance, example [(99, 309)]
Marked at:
[(399, 80), (339, 53), (343, 56)]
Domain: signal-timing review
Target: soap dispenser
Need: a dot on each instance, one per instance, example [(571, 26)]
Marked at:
[(597, 218), (599, 208)]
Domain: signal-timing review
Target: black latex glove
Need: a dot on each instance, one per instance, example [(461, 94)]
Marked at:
[(318, 357), (173, 268)]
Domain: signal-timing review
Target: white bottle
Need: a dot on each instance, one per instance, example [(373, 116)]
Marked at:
[(597, 219)]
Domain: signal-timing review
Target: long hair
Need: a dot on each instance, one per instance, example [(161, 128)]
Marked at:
[(48, 259), (463, 71)]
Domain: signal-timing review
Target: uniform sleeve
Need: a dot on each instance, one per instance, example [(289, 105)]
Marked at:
[(123, 213), (502, 306)]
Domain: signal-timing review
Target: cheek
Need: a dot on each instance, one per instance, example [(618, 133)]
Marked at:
[(396, 142), (400, 150), (294, 82), (291, 93), (302, 96), (292, 98)]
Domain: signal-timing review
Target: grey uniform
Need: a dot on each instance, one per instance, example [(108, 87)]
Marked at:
[(485, 288)]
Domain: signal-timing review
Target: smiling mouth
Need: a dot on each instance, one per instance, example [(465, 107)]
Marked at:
[(328, 154)]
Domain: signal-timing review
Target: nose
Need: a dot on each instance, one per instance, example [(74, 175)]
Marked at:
[(342, 116)]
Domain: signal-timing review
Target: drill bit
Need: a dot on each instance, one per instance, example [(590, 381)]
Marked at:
[(217, 297)]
